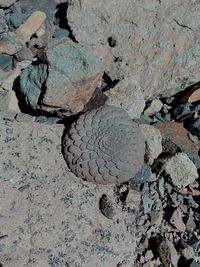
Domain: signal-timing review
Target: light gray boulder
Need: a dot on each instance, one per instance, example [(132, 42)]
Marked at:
[(156, 41)]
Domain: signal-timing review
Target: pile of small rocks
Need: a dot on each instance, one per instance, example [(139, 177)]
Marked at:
[(47, 76)]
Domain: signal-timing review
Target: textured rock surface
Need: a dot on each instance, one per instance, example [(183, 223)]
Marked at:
[(181, 170), (104, 146), (153, 140), (127, 95), (157, 41), (6, 3), (73, 75), (49, 217), (30, 26)]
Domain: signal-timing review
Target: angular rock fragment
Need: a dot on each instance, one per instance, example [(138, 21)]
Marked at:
[(154, 107), (180, 170), (127, 95), (70, 82), (176, 220), (153, 140), (30, 26)]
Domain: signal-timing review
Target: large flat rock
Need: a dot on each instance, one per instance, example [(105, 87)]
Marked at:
[(49, 217)]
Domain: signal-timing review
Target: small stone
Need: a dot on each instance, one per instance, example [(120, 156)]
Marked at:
[(149, 255), (7, 83), (181, 170), (153, 140), (178, 135), (60, 33), (5, 62), (30, 26), (4, 99), (192, 95), (13, 104), (127, 95), (194, 127), (24, 54), (22, 117), (147, 203), (142, 176), (6, 3), (3, 25), (176, 220), (154, 107), (106, 207), (156, 217), (161, 187), (188, 252), (9, 44), (174, 257), (133, 199)]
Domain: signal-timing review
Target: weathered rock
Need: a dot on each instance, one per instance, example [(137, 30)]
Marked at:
[(72, 77), (178, 135), (154, 107), (194, 127), (107, 207), (9, 44), (180, 170), (142, 176), (154, 41), (127, 95), (133, 199), (153, 140), (192, 95), (6, 3), (3, 25), (30, 26), (176, 220), (5, 62), (49, 216), (156, 217), (24, 54), (188, 252)]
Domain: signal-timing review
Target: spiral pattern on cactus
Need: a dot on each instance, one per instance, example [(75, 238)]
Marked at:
[(104, 146)]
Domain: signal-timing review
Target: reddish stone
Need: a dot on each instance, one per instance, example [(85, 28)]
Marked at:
[(179, 135)]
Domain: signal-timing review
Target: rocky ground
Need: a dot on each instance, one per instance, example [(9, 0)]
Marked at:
[(59, 59)]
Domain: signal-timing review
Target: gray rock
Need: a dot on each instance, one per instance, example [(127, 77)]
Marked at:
[(4, 99), (142, 176), (60, 33), (73, 76), (9, 44), (194, 127), (154, 107), (24, 54), (6, 3), (174, 257), (6, 62), (156, 217), (188, 252), (3, 25), (49, 216), (133, 199), (153, 140), (176, 220), (31, 81), (152, 41), (180, 170), (107, 207), (127, 95)]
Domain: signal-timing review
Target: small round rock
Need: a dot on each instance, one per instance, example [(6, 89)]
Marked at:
[(104, 146)]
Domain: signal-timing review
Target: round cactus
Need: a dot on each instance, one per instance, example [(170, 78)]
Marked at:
[(104, 146)]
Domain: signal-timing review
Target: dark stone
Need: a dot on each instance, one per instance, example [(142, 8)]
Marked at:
[(5, 62), (106, 207)]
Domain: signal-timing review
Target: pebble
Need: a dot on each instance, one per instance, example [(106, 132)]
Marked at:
[(194, 127), (154, 107), (142, 176), (180, 170), (176, 220), (5, 62), (9, 44), (153, 140), (133, 199), (147, 203), (22, 117), (30, 26), (156, 217), (106, 206), (188, 252), (127, 95)]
